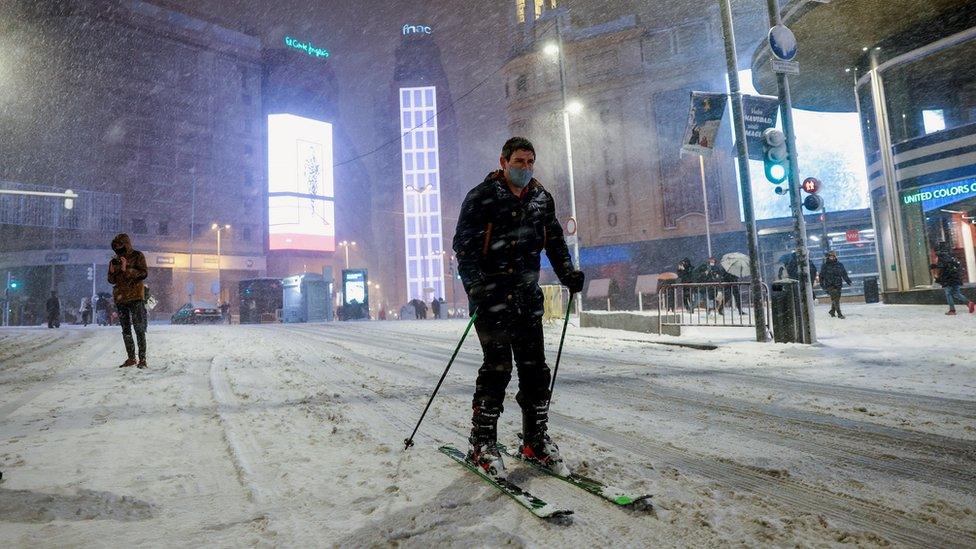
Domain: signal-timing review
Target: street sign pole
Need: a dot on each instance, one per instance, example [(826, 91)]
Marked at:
[(808, 332), (744, 181)]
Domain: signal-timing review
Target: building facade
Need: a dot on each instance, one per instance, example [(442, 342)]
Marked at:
[(155, 117), (641, 203)]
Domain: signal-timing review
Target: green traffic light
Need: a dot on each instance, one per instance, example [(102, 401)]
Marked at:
[(775, 173), (13, 285)]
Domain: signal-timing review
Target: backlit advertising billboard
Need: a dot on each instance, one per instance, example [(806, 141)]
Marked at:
[(301, 197)]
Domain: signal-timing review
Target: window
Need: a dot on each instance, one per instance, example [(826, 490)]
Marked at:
[(246, 233), (520, 11), (522, 83), (139, 226), (933, 120), (162, 228)]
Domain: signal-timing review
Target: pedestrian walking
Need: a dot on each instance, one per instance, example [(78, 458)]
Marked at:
[(833, 275), (85, 310), (435, 307), (948, 274), (53, 307), (503, 226), (126, 272)]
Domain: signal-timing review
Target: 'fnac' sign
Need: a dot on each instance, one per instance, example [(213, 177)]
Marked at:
[(416, 29)]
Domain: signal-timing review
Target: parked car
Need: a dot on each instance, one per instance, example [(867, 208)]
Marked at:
[(197, 313)]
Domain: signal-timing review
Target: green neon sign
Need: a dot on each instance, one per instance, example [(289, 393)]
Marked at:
[(307, 47)]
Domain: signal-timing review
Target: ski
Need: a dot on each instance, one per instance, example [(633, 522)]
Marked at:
[(536, 506), (613, 495)]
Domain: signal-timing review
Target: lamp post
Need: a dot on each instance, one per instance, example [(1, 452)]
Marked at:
[(569, 107), (345, 245), (219, 228)]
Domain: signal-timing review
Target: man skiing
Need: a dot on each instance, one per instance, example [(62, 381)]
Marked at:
[(126, 272), (504, 225), (833, 275)]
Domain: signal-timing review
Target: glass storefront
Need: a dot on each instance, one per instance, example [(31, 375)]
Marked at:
[(929, 113)]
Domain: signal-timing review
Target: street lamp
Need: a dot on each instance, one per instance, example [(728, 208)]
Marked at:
[(219, 229), (345, 245), (569, 107)]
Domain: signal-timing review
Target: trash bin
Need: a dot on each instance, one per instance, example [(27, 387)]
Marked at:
[(786, 310), (871, 294)]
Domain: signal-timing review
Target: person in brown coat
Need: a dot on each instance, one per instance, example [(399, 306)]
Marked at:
[(126, 272)]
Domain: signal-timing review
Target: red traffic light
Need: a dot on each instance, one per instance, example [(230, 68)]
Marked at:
[(811, 185)]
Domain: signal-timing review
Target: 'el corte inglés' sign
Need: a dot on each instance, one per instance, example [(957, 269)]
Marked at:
[(306, 47)]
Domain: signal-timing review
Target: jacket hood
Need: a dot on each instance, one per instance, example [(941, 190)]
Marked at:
[(123, 240)]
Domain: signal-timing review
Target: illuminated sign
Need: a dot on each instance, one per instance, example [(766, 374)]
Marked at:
[(419, 152), (417, 29), (936, 196), (306, 47), (301, 207)]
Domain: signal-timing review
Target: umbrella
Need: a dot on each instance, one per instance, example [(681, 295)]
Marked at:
[(736, 264)]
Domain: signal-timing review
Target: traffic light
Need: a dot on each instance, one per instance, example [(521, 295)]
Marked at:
[(775, 156), (813, 202), (91, 273), (69, 200)]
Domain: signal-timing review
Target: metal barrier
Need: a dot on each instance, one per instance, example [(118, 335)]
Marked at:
[(723, 304)]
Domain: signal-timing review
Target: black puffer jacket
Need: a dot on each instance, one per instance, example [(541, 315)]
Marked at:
[(498, 240), (833, 275), (686, 273), (950, 270)]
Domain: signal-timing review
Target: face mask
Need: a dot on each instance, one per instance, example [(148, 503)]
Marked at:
[(519, 177)]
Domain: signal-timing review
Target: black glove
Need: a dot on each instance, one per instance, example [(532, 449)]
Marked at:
[(574, 281), (479, 292)]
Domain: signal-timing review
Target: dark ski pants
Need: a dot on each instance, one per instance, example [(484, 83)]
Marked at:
[(952, 293), (834, 294), (133, 315), (501, 339), (54, 320)]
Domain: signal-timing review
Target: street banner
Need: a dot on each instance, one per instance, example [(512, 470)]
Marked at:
[(707, 110), (759, 112)]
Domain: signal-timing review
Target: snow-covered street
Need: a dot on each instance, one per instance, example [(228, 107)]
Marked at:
[(291, 435)]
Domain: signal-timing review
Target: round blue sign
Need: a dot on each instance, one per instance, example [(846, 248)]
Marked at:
[(782, 42)]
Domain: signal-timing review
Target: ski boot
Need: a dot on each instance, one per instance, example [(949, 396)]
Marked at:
[(483, 450), (488, 457), (543, 450), (536, 444)]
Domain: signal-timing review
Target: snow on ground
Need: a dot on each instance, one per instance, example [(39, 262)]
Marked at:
[(292, 436)]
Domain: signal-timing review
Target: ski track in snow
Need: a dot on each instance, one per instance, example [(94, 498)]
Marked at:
[(292, 436)]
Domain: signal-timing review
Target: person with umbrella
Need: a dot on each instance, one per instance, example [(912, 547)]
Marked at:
[(736, 267)]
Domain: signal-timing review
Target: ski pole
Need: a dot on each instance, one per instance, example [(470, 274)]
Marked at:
[(408, 442), (559, 353)]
